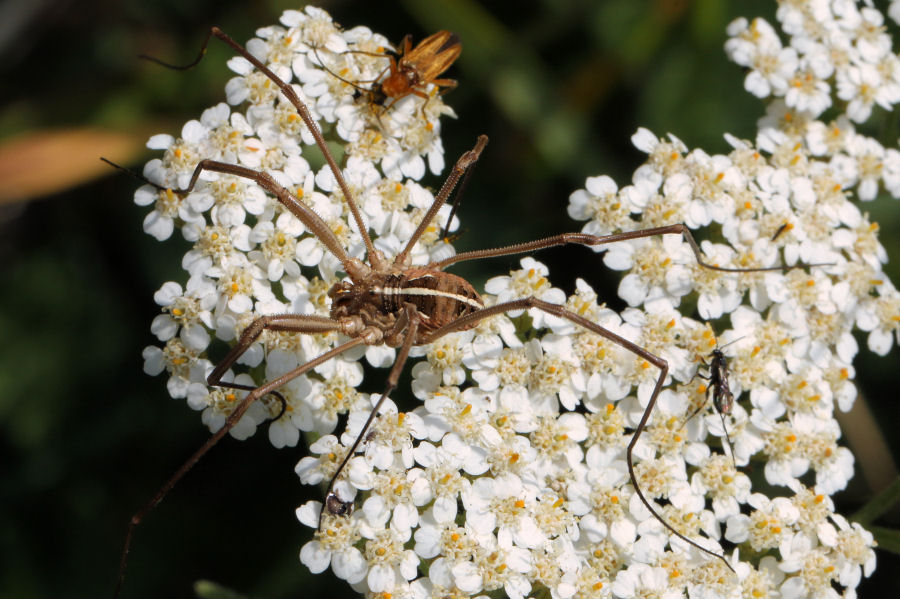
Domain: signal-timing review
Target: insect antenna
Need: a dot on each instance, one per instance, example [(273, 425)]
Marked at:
[(355, 84), (184, 67)]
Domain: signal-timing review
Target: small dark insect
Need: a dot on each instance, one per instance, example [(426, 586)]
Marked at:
[(387, 301), (782, 229), (722, 397), (336, 507), (723, 401)]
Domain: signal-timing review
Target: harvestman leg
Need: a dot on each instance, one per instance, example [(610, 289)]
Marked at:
[(594, 240), (294, 323), (263, 179), (560, 311), (408, 326)]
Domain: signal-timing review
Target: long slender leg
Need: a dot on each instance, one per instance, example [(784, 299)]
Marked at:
[(292, 323), (303, 111), (303, 213), (462, 165), (409, 324), (232, 419), (560, 311), (593, 240)]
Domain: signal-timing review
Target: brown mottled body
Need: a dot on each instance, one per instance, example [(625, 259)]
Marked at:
[(439, 298)]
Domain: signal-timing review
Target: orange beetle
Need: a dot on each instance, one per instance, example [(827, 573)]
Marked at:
[(419, 66)]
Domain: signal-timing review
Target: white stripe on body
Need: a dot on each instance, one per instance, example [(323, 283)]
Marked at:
[(425, 291)]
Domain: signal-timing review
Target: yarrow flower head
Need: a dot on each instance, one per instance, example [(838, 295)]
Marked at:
[(512, 473)]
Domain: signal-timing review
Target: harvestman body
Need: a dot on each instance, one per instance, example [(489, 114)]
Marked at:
[(390, 302)]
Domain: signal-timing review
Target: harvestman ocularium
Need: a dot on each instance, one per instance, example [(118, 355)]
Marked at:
[(393, 303)]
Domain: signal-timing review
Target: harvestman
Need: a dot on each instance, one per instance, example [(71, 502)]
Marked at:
[(393, 303)]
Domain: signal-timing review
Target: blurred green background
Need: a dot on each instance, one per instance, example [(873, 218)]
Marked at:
[(87, 437)]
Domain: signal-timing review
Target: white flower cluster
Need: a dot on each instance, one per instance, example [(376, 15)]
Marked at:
[(251, 256), (836, 48), (511, 474)]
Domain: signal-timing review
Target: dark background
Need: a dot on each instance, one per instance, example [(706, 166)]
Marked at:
[(558, 85)]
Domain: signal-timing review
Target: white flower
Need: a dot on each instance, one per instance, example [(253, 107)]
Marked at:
[(512, 473), (333, 548), (186, 314), (598, 205), (530, 281), (639, 580), (217, 404), (660, 268)]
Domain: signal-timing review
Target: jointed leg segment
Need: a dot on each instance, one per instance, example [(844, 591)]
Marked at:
[(660, 363), (286, 322), (594, 240), (408, 326), (405, 332)]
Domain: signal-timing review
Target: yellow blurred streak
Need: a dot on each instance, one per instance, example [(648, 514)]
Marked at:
[(41, 163)]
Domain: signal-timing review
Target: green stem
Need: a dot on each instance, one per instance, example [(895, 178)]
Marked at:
[(879, 504)]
